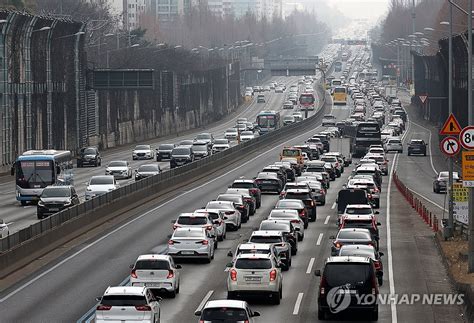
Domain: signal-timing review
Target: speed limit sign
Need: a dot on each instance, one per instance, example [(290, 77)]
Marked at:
[(466, 137)]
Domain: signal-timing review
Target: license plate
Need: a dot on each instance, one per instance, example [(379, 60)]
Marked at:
[(187, 253), (152, 284), (267, 182), (54, 209), (252, 279), (347, 291)]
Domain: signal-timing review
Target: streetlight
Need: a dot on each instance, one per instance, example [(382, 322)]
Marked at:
[(428, 29), (42, 29), (113, 50)]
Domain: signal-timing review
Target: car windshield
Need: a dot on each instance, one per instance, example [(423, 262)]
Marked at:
[(358, 211), (338, 274), (180, 151), (289, 205), (247, 133), (362, 224), (188, 234), (192, 220), (217, 205), (291, 152), (199, 148), (272, 226), (357, 252), (329, 159), (224, 314), (118, 164), (142, 147), (231, 198), (221, 141), (242, 185), (349, 234), (245, 263), (416, 142), (298, 196), (123, 300), (89, 151), (101, 180), (265, 239), (156, 264), (166, 147), (56, 192), (148, 168), (203, 136)]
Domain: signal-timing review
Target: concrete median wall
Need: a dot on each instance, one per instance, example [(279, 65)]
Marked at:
[(24, 246)]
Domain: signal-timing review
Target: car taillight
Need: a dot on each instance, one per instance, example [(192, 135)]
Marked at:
[(205, 242), (312, 203), (322, 286), (209, 227), (170, 242), (369, 196), (338, 245), (229, 212), (375, 190), (170, 274), (101, 307), (282, 194), (253, 191), (337, 164), (134, 274), (377, 265), (295, 221), (273, 275), (143, 308), (233, 274), (322, 192)]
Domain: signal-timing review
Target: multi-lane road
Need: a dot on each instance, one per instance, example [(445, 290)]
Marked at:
[(64, 291)]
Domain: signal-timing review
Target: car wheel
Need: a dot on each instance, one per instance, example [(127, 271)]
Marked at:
[(212, 255), (259, 203), (173, 294), (231, 295), (79, 165), (281, 293), (23, 203), (380, 279), (306, 225), (377, 204), (158, 159), (321, 314), (294, 251), (323, 202), (374, 316), (220, 238), (424, 154), (216, 244), (275, 298), (208, 259), (39, 216), (408, 153), (300, 237)]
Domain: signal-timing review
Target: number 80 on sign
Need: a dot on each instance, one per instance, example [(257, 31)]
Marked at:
[(466, 137), (450, 146)]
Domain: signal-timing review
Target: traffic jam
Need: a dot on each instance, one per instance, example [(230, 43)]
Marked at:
[(354, 151)]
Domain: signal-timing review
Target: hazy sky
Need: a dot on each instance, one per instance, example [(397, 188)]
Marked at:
[(372, 9)]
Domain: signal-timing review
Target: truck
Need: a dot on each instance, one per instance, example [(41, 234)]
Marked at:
[(343, 145), (390, 92), (362, 135)]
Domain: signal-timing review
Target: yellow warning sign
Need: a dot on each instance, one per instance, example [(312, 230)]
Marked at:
[(451, 126), (460, 193)]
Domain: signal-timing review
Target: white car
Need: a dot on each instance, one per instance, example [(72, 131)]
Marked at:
[(220, 145), (119, 169), (127, 303), (157, 272), (393, 144), (246, 135), (99, 185), (254, 274), (143, 152), (226, 310), (191, 242), (4, 231), (217, 218), (231, 134), (329, 120), (232, 217)]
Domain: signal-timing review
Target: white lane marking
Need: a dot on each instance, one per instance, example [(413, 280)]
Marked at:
[(204, 300), (429, 147), (333, 206), (327, 219), (59, 264), (298, 303), (310, 266), (319, 239), (393, 307)]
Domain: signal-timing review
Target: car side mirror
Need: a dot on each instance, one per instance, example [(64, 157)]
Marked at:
[(255, 314), (131, 266), (229, 265), (381, 254), (98, 299), (230, 253), (376, 212), (197, 313), (378, 223), (173, 221), (178, 266), (317, 273), (332, 237), (245, 240)]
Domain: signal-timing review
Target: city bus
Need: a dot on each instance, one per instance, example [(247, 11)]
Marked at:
[(36, 169), (339, 95), (337, 66), (268, 121), (307, 101)]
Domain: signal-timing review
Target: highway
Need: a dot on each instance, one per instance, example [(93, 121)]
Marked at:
[(65, 290)]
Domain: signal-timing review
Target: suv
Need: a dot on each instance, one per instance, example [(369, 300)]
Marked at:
[(55, 199), (393, 144), (280, 241), (252, 187), (89, 156), (417, 146), (284, 226), (350, 277), (181, 156), (157, 272), (306, 196), (164, 151), (121, 303), (201, 149), (254, 274), (196, 220), (261, 98), (226, 310)]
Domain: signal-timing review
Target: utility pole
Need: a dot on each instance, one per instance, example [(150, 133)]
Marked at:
[(470, 122), (413, 16), (450, 110)]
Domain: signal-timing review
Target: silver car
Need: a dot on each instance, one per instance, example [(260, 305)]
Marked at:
[(190, 242), (99, 185), (232, 217), (393, 144), (220, 145), (119, 169), (143, 152), (292, 216), (226, 311), (217, 220)]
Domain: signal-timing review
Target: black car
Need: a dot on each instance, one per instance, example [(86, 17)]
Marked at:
[(164, 151), (147, 170), (252, 186), (56, 198), (306, 196), (180, 156), (417, 146), (89, 156), (269, 182), (353, 277)]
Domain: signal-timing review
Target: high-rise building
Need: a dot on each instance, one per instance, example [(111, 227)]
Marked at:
[(260, 8), (132, 10)]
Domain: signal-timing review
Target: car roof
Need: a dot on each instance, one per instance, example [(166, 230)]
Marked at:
[(297, 190), (359, 206), (226, 303), (348, 259), (266, 233), (189, 229), (243, 180), (255, 255), (361, 217), (125, 290), (251, 246), (153, 256)]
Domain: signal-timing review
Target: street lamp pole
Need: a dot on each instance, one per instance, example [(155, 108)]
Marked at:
[(413, 16), (470, 122)]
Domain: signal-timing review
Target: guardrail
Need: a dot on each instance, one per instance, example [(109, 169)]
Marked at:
[(23, 246)]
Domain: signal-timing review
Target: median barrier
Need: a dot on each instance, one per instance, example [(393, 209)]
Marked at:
[(24, 246)]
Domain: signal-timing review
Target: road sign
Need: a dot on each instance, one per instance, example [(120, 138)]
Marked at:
[(451, 126), (450, 146), (460, 203), (423, 98), (466, 137), (468, 168)]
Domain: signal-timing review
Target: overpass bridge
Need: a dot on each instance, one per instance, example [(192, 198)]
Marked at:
[(288, 66)]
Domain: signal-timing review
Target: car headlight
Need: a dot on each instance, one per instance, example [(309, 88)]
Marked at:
[(107, 170), (67, 203), (89, 189), (40, 203)]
